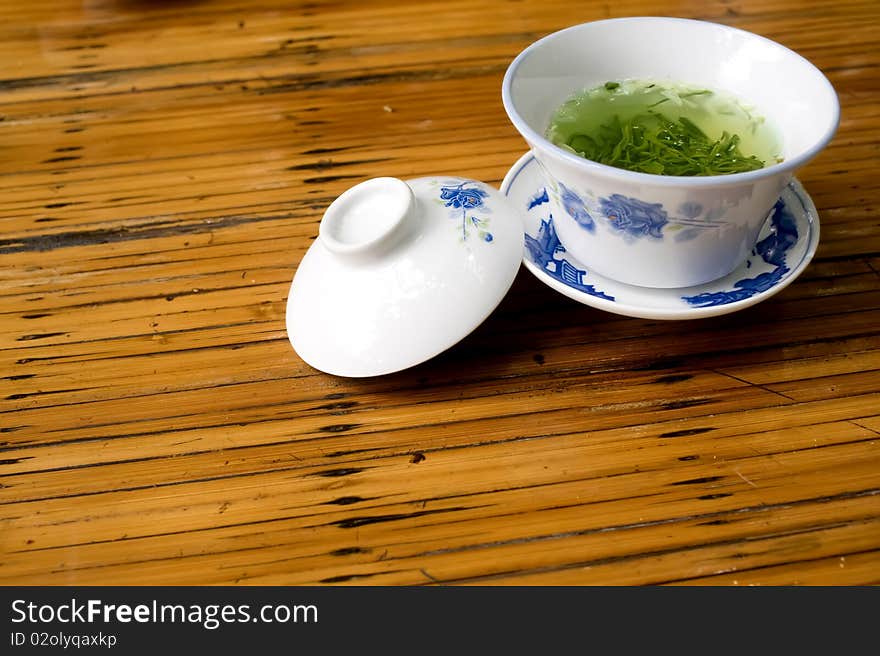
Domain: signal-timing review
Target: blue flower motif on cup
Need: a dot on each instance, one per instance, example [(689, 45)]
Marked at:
[(468, 198), (576, 209), (633, 216), (690, 209)]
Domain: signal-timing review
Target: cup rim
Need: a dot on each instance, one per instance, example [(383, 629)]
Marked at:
[(786, 166)]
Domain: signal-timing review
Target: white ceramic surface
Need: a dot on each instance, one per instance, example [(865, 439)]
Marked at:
[(400, 272), (666, 231), (786, 244)]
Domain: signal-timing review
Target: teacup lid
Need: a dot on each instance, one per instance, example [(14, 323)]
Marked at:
[(400, 272)]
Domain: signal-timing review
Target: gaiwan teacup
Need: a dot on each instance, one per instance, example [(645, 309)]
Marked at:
[(655, 230)]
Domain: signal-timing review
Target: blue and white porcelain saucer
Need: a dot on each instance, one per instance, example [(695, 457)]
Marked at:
[(786, 245)]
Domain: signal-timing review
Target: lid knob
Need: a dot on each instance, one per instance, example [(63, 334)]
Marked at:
[(367, 216)]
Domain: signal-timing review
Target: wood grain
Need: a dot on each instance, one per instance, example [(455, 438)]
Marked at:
[(164, 166)]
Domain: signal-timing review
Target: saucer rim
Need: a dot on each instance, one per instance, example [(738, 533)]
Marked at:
[(683, 312)]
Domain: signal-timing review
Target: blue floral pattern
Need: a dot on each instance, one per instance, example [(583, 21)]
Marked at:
[(772, 250), (576, 209), (690, 209), (544, 251), (464, 198), (633, 216)]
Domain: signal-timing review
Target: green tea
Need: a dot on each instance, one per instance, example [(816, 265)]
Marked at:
[(665, 129)]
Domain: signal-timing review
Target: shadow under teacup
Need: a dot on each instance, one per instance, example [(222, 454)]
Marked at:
[(654, 230)]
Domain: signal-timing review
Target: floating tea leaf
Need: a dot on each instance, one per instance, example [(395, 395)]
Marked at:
[(665, 129)]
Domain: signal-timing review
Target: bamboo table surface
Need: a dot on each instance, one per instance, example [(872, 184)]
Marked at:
[(164, 168)]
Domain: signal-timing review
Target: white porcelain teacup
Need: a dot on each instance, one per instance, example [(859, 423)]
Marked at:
[(628, 225)]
